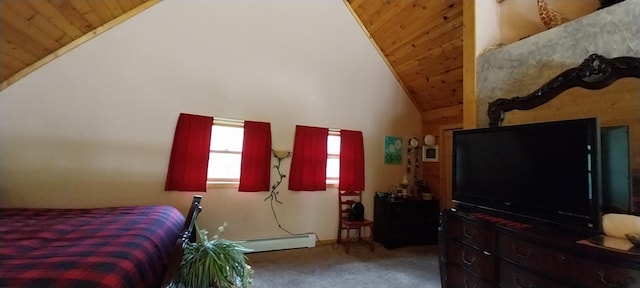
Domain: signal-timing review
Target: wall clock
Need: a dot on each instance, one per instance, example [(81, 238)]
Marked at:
[(413, 142)]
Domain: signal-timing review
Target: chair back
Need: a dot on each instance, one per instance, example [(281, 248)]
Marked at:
[(346, 199)]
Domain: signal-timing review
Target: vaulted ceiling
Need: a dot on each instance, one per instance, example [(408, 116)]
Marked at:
[(420, 40), (33, 32)]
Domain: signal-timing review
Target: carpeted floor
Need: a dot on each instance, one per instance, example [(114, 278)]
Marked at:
[(324, 266)]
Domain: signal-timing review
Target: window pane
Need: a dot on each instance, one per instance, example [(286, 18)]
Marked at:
[(333, 168), (224, 165), (226, 138), (333, 181), (333, 144)]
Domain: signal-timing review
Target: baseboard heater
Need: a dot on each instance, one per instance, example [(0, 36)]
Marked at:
[(280, 243)]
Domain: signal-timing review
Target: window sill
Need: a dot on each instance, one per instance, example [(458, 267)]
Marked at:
[(332, 185), (223, 185), (237, 185)]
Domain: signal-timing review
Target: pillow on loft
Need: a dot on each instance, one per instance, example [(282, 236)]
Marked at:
[(616, 225)]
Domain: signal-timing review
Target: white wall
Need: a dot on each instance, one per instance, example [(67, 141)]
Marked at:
[(512, 20), (95, 126), (520, 19), (487, 25)]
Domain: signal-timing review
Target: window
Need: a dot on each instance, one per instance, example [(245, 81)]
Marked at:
[(333, 158), (225, 152)]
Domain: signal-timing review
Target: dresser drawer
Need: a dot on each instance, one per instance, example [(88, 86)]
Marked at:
[(571, 268), (458, 277), (595, 275), (532, 256), (471, 259), (472, 234), (513, 276)]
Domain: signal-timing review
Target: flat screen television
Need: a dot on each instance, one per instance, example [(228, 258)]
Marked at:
[(543, 173)]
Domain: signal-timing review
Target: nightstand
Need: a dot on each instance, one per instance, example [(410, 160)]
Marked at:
[(404, 221)]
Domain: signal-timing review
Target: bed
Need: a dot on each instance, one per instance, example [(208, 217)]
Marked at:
[(103, 247)]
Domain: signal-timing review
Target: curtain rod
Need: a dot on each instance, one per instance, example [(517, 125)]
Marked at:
[(227, 121)]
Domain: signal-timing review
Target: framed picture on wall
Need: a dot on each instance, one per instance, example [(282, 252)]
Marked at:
[(392, 150), (430, 153)]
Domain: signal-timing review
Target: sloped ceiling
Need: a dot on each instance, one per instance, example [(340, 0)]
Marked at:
[(421, 40), (33, 32)]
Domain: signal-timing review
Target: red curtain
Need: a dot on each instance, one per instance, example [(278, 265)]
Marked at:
[(309, 160), (190, 154), (351, 161), (255, 168)]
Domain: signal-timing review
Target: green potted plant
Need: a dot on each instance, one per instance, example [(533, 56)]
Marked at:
[(214, 262)]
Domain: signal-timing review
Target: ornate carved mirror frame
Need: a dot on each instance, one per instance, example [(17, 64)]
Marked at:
[(595, 72)]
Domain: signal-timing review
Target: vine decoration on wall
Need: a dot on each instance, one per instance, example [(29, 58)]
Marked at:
[(279, 155), (273, 196)]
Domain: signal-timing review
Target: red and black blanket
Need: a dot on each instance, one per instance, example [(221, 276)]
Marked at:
[(105, 247)]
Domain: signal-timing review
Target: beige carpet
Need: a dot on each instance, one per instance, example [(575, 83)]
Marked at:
[(324, 266)]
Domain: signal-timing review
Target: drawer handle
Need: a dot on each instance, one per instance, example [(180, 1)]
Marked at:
[(517, 282), (604, 281), (466, 283), (467, 261), (521, 254), (466, 232)]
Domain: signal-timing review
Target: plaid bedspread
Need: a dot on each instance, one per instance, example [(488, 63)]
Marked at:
[(106, 247)]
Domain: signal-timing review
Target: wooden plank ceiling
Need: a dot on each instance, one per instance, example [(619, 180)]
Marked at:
[(421, 40), (32, 30), (422, 43)]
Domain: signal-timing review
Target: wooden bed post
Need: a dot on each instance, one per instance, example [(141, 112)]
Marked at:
[(187, 234), (595, 72)]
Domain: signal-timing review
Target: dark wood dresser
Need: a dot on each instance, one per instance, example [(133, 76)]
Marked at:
[(404, 221), (478, 250)]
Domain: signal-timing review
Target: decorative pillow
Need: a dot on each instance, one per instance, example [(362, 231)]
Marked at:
[(616, 225)]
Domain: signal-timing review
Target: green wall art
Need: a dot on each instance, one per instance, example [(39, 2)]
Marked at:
[(392, 150)]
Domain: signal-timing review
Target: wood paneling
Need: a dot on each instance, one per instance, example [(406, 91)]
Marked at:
[(446, 169), (616, 105), (34, 30), (470, 100), (437, 122), (422, 43)]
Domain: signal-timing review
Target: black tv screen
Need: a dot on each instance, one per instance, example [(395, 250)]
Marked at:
[(544, 172)]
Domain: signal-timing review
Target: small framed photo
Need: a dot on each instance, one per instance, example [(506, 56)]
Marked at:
[(430, 153)]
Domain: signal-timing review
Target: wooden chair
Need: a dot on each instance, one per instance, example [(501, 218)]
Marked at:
[(345, 200)]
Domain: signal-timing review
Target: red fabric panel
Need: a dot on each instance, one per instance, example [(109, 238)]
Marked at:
[(190, 154), (309, 160), (255, 168), (102, 248), (351, 161)]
